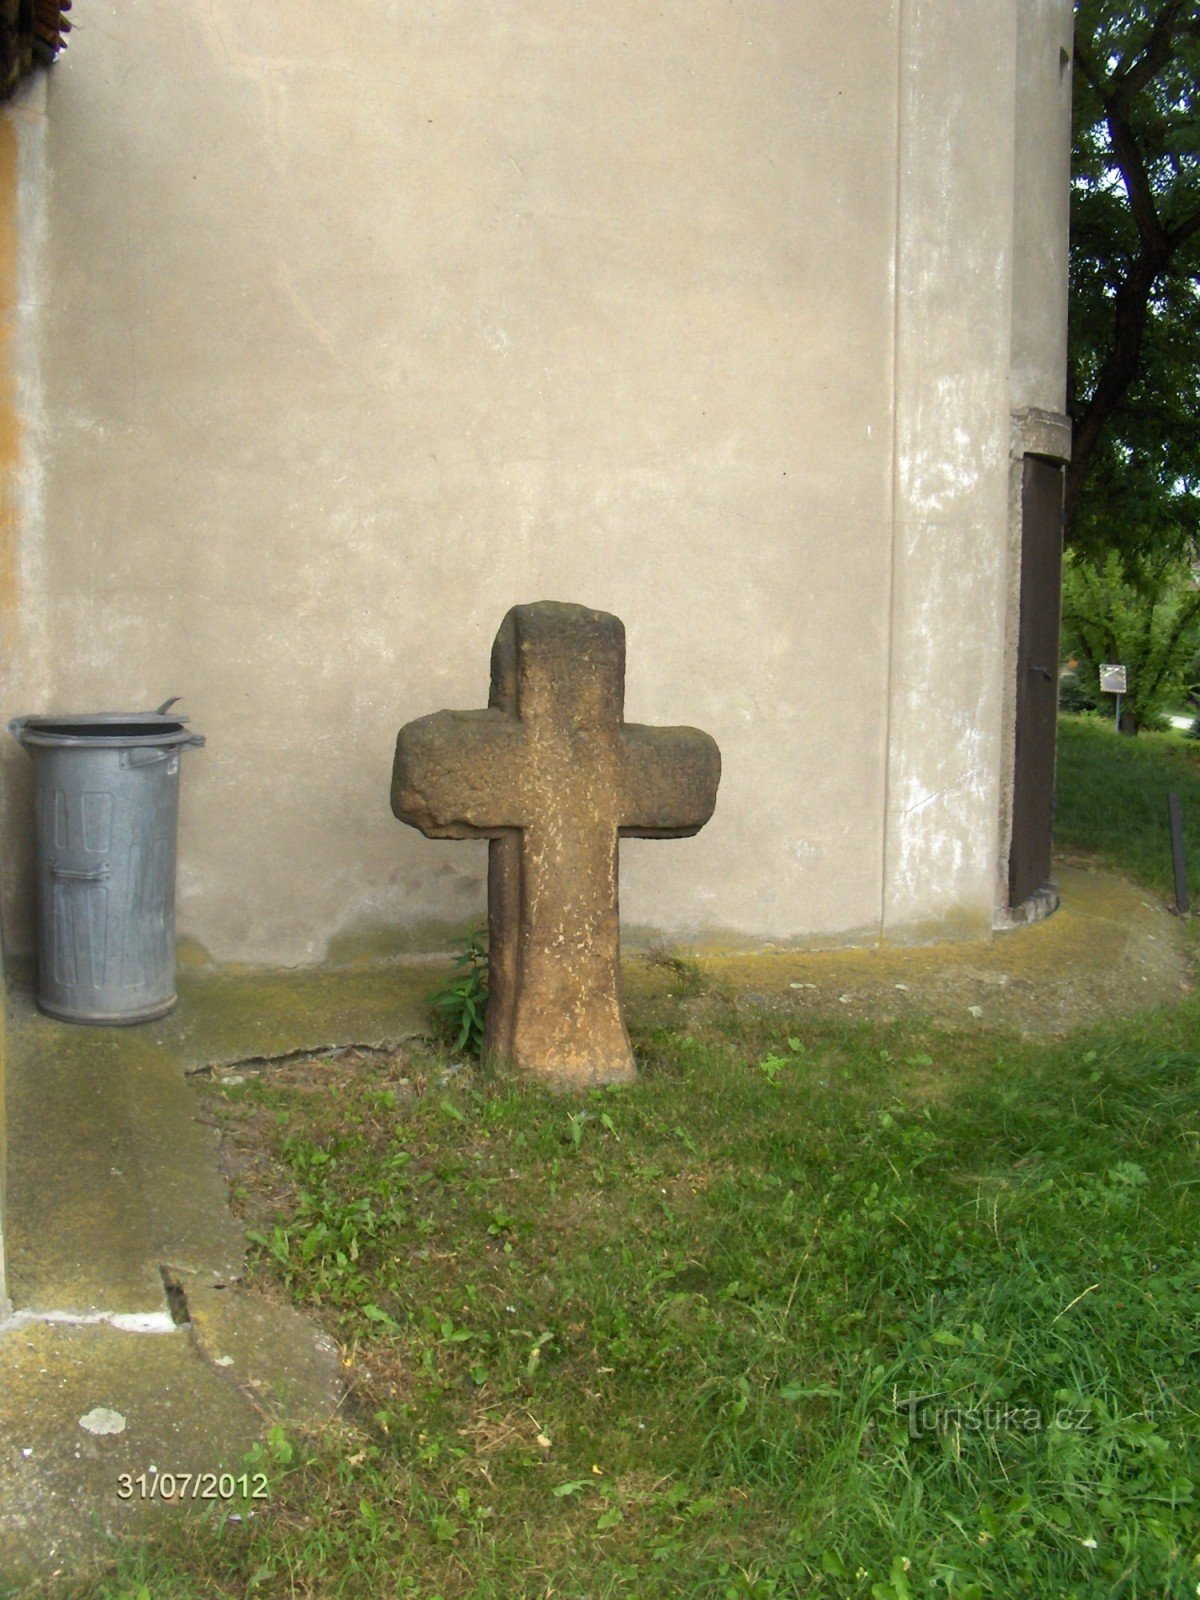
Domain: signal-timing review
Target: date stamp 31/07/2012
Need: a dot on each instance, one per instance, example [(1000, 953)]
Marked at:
[(156, 1485)]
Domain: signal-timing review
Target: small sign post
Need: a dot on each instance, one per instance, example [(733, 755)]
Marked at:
[(1114, 680)]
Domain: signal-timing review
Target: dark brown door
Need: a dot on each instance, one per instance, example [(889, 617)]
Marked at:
[(1037, 677)]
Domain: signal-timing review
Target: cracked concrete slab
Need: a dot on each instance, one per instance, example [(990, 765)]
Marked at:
[(124, 1262), (61, 1500)]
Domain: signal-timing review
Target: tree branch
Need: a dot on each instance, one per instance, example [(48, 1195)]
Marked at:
[(1119, 369), (1131, 164), (1183, 231), (1130, 80), (1121, 362)]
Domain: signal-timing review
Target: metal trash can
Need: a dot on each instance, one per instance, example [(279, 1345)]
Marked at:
[(107, 799)]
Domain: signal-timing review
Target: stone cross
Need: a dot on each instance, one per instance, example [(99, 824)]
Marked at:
[(552, 775)]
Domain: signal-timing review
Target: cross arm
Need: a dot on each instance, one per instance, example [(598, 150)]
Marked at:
[(669, 781), (457, 774)]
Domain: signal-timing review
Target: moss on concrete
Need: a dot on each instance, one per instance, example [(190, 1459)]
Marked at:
[(115, 1192), (60, 1503), (1111, 949), (233, 1014), (377, 941)]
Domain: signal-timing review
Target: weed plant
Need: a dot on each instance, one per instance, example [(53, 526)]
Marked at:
[(460, 1005)]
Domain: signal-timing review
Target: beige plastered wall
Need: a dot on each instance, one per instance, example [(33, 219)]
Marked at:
[(10, 461), (1039, 423), (350, 325)]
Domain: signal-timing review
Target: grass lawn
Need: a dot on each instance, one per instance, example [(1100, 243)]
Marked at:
[(856, 1309), (1112, 798)]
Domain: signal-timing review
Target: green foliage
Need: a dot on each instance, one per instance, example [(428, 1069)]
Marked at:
[(1077, 690), (461, 1004), (1131, 609), (1134, 360)]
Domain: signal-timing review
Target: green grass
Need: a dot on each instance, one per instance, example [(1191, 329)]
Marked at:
[(1112, 798), (668, 1340), (878, 1311)]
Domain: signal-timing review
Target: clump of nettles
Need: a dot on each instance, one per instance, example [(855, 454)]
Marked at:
[(460, 1004)]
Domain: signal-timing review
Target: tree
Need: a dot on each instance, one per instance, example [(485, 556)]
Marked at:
[(1142, 611), (1134, 360)]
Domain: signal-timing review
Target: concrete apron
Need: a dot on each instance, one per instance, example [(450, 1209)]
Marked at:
[(124, 1258), (119, 1224)]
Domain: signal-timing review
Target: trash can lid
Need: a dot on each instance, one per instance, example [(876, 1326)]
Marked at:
[(117, 729)]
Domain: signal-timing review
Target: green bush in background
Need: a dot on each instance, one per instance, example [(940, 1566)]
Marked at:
[(1137, 610)]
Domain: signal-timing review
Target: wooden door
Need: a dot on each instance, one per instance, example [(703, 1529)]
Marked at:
[(1037, 678)]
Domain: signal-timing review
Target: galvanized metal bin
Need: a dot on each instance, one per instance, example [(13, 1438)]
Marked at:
[(107, 800)]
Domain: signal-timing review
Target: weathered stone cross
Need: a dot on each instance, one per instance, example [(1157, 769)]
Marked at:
[(552, 775)]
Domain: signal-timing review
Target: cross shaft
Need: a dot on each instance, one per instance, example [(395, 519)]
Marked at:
[(552, 775)]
